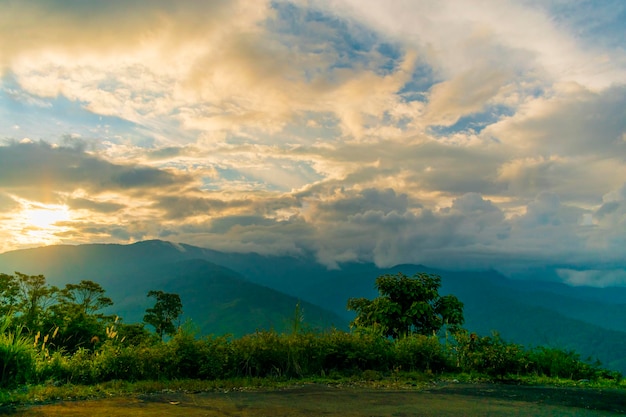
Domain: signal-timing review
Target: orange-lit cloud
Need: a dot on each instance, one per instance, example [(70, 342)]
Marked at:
[(487, 133)]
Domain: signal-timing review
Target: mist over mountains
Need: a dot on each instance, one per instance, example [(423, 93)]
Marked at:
[(233, 293)]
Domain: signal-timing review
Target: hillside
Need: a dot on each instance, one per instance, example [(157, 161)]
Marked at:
[(217, 299), (235, 293)]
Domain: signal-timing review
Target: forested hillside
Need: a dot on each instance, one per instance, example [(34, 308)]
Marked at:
[(238, 293)]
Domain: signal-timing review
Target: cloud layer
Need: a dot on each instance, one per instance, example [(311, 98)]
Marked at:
[(487, 134)]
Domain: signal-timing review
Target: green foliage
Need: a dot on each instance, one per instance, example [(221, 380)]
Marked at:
[(76, 314), (25, 298), (128, 352), (167, 308), (133, 334), (17, 364), (558, 363), (355, 351), (261, 354), (408, 305), (216, 355), (418, 352), (489, 355), (87, 296), (493, 356), (54, 368), (9, 294)]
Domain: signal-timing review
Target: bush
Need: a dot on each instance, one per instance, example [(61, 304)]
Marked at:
[(81, 367), (420, 353), (261, 354), (216, 358), (53, 368), (490, 355), (558, 363), (17, 359), (364, 353), (112, 362), (353, 352), (207, 358)]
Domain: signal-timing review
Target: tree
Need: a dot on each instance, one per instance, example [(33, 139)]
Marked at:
[(408, 305), (87, 296), (166, 310), (77, 315), (9, 294), (34, 297)]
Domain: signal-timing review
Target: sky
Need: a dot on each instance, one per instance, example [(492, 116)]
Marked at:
[(457, 134)]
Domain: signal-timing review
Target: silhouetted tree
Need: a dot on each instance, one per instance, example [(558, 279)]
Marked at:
[(165, 312)]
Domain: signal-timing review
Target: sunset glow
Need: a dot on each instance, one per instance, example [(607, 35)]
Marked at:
[(485, 134), (40, 224), (46, 218)]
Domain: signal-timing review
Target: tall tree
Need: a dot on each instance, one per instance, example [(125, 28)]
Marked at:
[(167, 308), (34, 296), (408, 305), (87, 296), (78, 315), (9, 294)]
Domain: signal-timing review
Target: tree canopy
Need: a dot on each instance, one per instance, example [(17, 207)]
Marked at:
[(167, 308), (78, 317), (408, 305)]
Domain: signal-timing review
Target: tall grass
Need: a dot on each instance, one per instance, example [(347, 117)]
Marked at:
[(17, 356), (279, 356)]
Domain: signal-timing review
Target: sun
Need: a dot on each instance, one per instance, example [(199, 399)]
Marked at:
[(45, 217), (41, 223)]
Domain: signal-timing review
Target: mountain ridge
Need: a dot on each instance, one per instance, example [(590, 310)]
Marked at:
[(528, 312)]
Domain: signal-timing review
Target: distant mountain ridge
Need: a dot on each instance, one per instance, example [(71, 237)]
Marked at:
[(238, 293), (217, 299)]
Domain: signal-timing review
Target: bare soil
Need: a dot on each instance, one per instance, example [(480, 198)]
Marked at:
[(322, 400)]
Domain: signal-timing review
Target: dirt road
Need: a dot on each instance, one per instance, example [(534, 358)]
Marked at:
[(315, 400)]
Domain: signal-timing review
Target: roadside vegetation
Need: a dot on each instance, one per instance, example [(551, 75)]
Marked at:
[(53, 340)]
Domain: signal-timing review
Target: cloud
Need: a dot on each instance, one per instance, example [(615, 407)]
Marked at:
[(254, 80), (594, 277), (177, 207), (579, 179), (465, 94), (480, 134), (7, 203), (95, 206), (83, 26), (455, 36), (41, 169), (572, 120)]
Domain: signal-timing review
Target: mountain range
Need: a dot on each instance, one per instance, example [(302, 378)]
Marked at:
[(234, 293)]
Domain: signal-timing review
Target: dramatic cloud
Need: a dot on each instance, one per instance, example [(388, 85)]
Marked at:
[(483, 134)]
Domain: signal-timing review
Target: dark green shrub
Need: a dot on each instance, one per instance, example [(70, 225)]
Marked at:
[(17, 359), (112, 362), (261, 354), (559, 363), (186, 354), (489, 355), (420, 353), (355, 351), (305, 354), (216, 358), (370, 375), (54, 368), (207, 358), (80, 367)]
